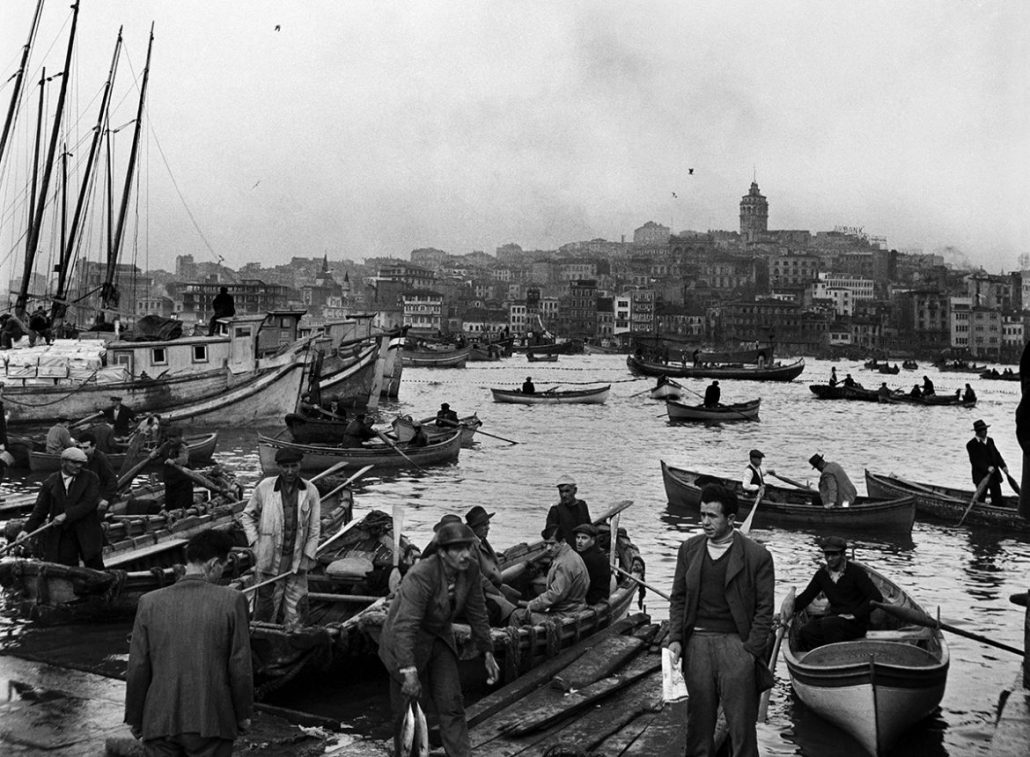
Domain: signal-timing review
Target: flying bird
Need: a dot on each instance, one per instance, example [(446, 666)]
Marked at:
[(675, 195), (256, 183), (690, 171), (277, 27)]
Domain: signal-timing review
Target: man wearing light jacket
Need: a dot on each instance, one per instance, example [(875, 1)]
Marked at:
[(567, 584)]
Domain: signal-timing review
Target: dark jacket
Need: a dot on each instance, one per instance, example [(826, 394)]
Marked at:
[(600, 574), (100, 465), (712, 395), (567, 517), (750, 580), (983, 456), (122, 420), (850, 595), (422, 612), (79, 504), (189, 662)]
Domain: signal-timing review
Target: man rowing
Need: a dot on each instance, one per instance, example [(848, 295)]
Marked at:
[(835, 488), (986, 460)]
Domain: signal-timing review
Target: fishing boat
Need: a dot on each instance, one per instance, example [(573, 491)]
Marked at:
[(145, 552), (742, 371), (670, 390), (840, 392), (784, 506), (994, 375), (738, 411), (889, 370), (874, 688), (596, 396), (548, 358), (320, 456), (944, 503), (307, 430), (404, 429), (489, 353), (932, 400), (200, 447), (443, 358)]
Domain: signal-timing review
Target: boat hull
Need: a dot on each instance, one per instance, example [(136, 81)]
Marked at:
[(582, 397), (320, 457), (200, 448), (434, 359), (943, 503), (787, 372), (670, 391), (740, 411), (793, 507)]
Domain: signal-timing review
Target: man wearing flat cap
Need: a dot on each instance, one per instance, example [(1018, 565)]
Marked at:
[(569, 512), (69, 499), (499, 596), (986, 461), (446, 417), (417, 643), (835, 488), (754, 474), (596, 562), (282, 523), (58, 437), (849, 591)]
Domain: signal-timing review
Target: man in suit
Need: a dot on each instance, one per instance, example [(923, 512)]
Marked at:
[(282, 521), (189, 687), (100, 465), (985, 460), (69, 499), (720, 617), (499, 596), (417, 642), (120, 416)]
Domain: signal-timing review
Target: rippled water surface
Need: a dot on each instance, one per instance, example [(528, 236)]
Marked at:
[(613, 452)]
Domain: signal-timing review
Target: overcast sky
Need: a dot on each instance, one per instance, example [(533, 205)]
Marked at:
[(372, 128)]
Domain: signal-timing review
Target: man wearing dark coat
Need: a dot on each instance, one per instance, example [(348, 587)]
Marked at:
[(121, 417), (417, 643), (599, 570), (986, 460), (713, 394), (569, 512), (224, 307), (189, 685), (69, 499), (100, 465)]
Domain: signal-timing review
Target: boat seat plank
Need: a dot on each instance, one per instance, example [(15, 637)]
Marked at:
[(909, 633), (137, 554)]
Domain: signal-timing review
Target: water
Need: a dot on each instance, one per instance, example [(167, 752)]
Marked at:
[(613, 452)]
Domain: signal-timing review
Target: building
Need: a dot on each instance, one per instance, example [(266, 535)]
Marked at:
[(793, 269), (423, 312), (651, 233), (754, 215), (578, 317), (975, 329), (412, 276), (249, 296)]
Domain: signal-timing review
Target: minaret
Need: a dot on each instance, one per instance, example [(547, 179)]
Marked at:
[(754, 214)]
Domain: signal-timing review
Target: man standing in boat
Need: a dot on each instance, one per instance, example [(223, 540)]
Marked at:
[(986, 460), (835, 488), (282, 523), (720, 619), (100, 465), (569, 512), (224, 307), (121, 417), (417, 643), (713, 394), (754, 474), (446, 417), (849, 591)]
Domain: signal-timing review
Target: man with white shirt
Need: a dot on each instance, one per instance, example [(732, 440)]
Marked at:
[(720, 618), (986, 461), (754, 474)]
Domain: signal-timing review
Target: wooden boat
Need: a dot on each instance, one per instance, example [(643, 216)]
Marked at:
[(738, 411), (318, 457), (596, 349), (742, 371), (993, 375), (480, 354), (670, 390), (201, 448), (596, 396), (933, 400), (784, 506), (455, 358), (948, 504), (889, 370), (569, 347), (404, 429), (877, 687), (306, 430), (548, 358), (960, 366), (145, 553), (841, 392)]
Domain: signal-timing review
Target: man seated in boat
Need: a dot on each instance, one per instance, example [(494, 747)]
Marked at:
[(335, 411), (103, 433), (419, 438), (849, 591), (883, 393), (446, 417), (566, 589), (570, 511), (358, 431), (833, 376), (98, 462), (713, 394), (916, 392), (527, 386), (928, 389), (969, 395), (596, 563), (835, 488), (122, 417), (178, 485), (754, 474), (59, 438), (499, 596)]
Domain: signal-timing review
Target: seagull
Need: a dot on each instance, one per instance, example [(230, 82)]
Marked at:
[(277, 27), (256, 183), (675, 195), (690, 171)]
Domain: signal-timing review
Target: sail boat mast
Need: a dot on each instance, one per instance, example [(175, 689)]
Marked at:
[(12, 109)]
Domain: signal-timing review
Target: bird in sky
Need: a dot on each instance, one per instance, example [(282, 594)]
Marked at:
[(277, 27), (256, 183), (690, 171), (675, 195)]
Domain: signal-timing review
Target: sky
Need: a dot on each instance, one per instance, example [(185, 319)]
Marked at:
[(359, 128)]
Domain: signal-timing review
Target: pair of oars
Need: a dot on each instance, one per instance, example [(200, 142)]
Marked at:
[(449, 422)]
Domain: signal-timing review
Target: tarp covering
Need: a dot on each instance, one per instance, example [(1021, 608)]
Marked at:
[(153, 328)]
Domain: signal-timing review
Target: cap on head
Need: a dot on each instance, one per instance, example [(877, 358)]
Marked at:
[(477, 516), (448, 518), (756, 453), (444, 406), (115, 398), (833, 544), (451, 534), (286, 455), (815, 460), (566, 480), (586, 528), (74, 454), (980, 425)]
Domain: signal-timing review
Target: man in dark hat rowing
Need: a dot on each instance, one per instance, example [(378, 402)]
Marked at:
[(986, 461), (835, 488), (849, 591), (282, 523), (417, 642), (446, 417)]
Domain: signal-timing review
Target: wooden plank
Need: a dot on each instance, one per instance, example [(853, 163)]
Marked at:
[(616, 744), (605, 659), (115, 560), (667, 734)]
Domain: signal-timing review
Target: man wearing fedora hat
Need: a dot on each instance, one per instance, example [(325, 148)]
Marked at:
[(499, 596), (282, 523), (849, 591), (835, 488), (417, 643), (985, 461), (569, 512)]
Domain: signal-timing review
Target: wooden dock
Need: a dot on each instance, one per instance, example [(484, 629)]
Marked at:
[(603, 696), (1012, 729)]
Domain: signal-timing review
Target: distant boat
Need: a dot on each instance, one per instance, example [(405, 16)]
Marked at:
[(596, 396), (739, 411), (841, 392), (455, 358), (318, 457), (670, 390), (200, 449), (404, 429), (549, 358), (746, 372)]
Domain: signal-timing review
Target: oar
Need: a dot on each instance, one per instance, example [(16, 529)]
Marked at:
[(398, 450), (321, 546), (920, 618), (449, 422), (87, 419), (1012, 483), (745, 527), (25, 538), (330, 470), (398, 524), (976, 495), (614, 556), (125, 479), (643, 583), (203, 480), (786, 613), (358, 474), (792, 482)]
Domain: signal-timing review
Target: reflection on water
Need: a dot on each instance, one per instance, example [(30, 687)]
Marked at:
[(613, 451)]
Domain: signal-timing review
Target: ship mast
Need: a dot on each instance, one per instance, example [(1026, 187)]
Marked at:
[(12, 109)]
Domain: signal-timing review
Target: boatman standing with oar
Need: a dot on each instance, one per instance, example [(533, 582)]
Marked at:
[(720, 619), (986, 460)]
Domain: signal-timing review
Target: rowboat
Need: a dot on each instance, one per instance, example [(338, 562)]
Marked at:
[(933, 400), (455, 358), (742, 371), (1004, 376), (738, 411), (549, 358), (305, 430), (949, 504), (596, 396), (877, 687), (404, 429), (318, 457), (670, 390), (783, 506), (841, 392), (145, 553), (200, 447)]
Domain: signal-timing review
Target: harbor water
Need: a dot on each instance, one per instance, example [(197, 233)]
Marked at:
[(613, 451)]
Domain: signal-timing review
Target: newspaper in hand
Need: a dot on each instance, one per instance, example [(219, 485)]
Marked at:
[(674, 687)]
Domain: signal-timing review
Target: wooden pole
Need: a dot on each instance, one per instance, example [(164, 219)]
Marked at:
[(976, 496), (16, 542), (786, 613)]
